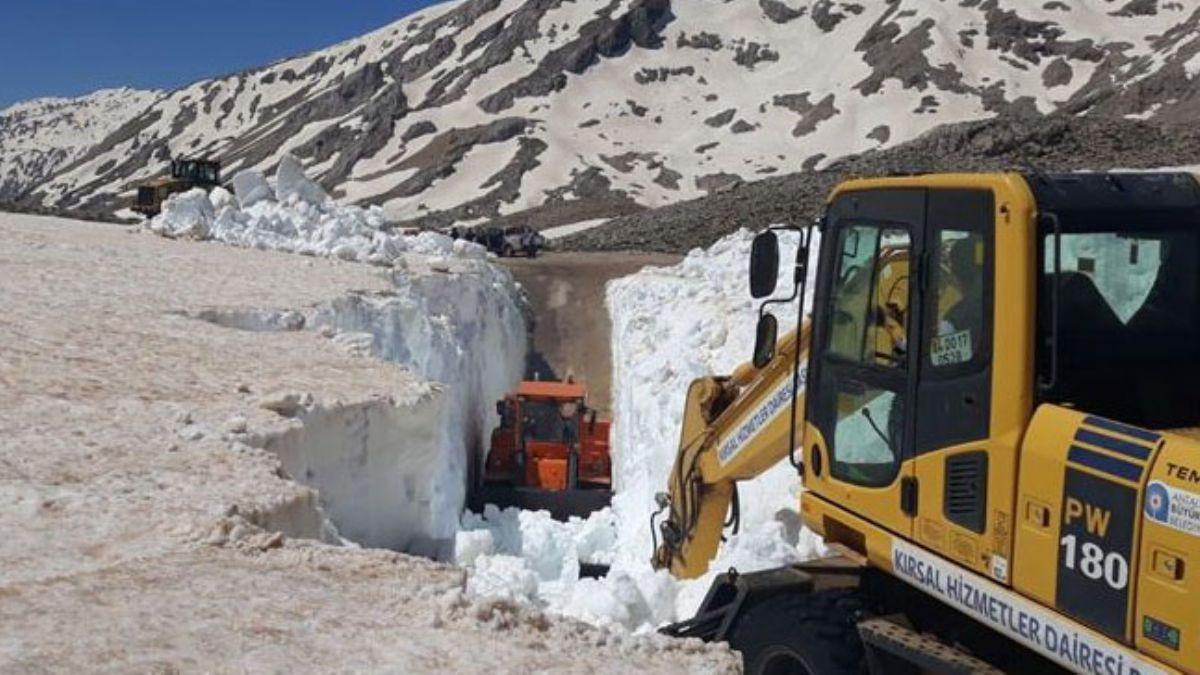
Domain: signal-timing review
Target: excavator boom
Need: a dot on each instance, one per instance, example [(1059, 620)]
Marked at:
[(723, 418)]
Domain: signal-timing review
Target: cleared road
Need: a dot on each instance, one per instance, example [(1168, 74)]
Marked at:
[(572, 331)]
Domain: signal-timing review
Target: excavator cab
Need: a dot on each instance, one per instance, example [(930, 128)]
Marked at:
[(992, 415)]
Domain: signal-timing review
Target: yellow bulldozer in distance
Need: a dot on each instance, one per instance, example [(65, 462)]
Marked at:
[(992, 412), (185, 175)]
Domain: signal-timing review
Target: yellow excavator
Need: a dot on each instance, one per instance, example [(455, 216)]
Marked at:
[(992, 410)]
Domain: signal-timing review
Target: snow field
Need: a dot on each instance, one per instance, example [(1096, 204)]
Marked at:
[(391, 475), (670, 326)]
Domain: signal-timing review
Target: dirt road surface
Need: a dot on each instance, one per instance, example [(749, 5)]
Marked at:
[(572, 332), (140, 536)]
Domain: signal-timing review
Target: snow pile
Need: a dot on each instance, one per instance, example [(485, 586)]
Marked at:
[(388, 478), (670, 326), (527, 555), (296, 216)]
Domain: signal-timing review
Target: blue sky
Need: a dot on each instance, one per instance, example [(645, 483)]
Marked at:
[(72, 47)]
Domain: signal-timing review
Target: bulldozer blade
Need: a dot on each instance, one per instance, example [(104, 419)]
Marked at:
[(562, 504)]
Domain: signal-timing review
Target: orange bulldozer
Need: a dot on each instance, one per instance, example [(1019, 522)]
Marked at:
[(550, 453)]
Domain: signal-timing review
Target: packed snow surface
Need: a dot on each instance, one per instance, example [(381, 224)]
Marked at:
[(452, 317), (145, 529), (670, 326)]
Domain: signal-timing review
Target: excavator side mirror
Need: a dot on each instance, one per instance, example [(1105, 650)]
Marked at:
[(764, 341), (764, 264)]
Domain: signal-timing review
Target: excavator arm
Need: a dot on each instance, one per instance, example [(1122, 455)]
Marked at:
[(734, 428)]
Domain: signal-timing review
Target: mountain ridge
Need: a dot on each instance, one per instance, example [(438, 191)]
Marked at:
[(477, 110)]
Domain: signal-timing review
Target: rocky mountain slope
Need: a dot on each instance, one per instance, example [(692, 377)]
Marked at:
[(42, 136), (1030, 143), (573, 110)]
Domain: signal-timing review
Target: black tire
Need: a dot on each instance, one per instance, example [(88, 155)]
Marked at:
[(507, 251), (808, 634)]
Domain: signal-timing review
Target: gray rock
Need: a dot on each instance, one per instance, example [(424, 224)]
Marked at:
[(423, 128), (779, 12), (701, 40), (753, 53), (722, 118), (1057, 74)]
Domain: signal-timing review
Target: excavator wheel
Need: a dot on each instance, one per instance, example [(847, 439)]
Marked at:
[(803, 634)]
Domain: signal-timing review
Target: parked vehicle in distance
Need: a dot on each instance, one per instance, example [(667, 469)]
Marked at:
[(505, 242)]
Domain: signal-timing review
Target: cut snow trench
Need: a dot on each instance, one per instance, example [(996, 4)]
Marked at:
[(670, 326), (391, 472)]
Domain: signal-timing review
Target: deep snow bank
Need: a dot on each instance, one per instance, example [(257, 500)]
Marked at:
[(670, 326), (391, 475)]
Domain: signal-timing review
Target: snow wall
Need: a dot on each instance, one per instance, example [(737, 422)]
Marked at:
[(670, 326), (391, 473)]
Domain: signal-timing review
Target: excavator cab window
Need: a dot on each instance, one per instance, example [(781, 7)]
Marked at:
[(959, 283), (870, 302), (866, 358), (1128, 318)]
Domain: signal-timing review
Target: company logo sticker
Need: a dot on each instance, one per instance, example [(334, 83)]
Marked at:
[(775, 404), (1173, 507)]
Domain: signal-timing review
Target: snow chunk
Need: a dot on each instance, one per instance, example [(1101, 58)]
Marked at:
[(222, 199), (291, 183), (470, 545), (251, 187), (503, 576), (186, 214)]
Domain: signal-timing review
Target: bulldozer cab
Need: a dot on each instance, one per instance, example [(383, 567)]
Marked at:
[(185, 174), (196, 172), (909, 353)]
